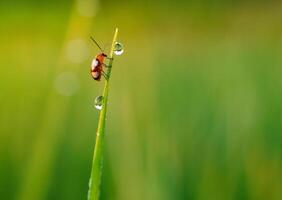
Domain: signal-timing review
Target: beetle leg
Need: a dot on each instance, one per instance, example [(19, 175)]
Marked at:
[(105, 75), (110, 58), (105, 65)]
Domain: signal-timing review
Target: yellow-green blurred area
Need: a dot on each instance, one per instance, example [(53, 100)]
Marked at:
[(195, 105)]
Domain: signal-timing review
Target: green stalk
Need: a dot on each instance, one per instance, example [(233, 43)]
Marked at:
[(97, 164)]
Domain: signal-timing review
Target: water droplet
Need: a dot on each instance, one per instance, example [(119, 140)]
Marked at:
[(118, 48), (98, 103)]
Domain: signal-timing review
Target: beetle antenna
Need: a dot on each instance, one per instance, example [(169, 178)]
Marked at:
[(96, 43)]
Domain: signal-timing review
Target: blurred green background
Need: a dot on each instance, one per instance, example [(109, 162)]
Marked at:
[(195, 104)]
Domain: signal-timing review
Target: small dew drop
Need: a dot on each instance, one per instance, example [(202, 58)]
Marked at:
[(118, 48), (98, 103)]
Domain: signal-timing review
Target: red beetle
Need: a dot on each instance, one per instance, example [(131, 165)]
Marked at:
[(98, 63), (97, 66)]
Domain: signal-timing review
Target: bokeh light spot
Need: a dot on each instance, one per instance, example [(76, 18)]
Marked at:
[(67, 83)]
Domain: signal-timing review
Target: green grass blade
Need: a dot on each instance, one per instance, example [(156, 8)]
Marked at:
[(97, 165)]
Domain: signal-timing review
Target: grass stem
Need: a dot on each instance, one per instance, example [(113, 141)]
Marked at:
[(97, 164)]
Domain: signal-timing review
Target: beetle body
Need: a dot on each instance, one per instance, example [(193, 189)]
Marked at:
[(97, 66)]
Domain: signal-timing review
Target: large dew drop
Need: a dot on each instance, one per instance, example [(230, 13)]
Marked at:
[(118, 50), (98, 103)]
